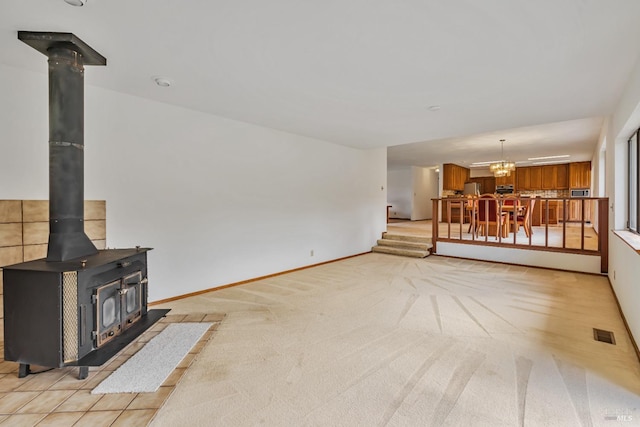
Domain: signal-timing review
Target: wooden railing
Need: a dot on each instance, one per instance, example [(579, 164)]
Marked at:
[(571, 225)]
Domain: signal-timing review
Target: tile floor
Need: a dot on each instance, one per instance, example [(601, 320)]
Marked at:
[(58, 398)]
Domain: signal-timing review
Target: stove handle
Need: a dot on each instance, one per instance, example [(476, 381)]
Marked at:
[(123, 291)]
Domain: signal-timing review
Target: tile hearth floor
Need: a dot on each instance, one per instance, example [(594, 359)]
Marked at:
[(58, 398)]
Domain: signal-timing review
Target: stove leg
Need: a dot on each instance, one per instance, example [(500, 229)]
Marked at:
[(24, 370), (83, 372)]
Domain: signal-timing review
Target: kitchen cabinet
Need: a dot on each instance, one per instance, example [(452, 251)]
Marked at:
[(557, 212), (462, 176), (536, 178), (447, 177), (552, 212), (529, 178), (536, 214), (454, 177), (554, 177), (455, 211), (507, 180), (549, 177), (539, 214), (562, 179), (561, 210), (575, 210), (580, 175), (523, 181), (488, 185)]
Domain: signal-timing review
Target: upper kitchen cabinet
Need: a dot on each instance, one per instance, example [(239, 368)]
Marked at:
[(536, 178), (555, 177), (507, 180), (523, 181), (580, 175), (562, 182), (549, 177), (454, 177), (529, 178)]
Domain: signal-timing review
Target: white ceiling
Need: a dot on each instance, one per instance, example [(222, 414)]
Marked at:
[(363, 73), (575, 138)]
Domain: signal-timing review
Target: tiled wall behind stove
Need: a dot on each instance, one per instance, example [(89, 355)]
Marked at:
[(24, 232), (547, 193)]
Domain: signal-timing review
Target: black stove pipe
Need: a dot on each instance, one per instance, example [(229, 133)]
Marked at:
[(67, 56), (67, 239)]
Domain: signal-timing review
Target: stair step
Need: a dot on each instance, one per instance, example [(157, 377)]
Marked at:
[(399, 251), (405, 244), (389, 236)]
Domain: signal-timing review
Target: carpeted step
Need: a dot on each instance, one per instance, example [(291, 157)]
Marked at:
[(398, 244), (405, 244), (400, 251), (405, 238)]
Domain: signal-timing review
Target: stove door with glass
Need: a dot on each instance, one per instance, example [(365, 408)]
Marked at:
[(131, 291), (108, 312)]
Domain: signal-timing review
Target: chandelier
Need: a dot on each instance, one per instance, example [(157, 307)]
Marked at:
[(502, 168)]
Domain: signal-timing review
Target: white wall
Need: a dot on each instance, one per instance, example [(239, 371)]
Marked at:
[(624, 270), (557, 260), (221, 201), (410, 190), (624, 262), (477, 172), (400, 192), (425, 188)]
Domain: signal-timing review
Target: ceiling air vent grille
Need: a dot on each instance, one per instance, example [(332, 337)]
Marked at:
[(604, 336)]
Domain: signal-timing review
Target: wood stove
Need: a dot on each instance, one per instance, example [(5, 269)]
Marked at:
[(78, 306), (76, 313)]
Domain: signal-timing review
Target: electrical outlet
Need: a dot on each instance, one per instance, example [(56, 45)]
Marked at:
[(311, 254), (614, 275)]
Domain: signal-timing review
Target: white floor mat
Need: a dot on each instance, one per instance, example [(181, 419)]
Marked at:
[(146, 370)]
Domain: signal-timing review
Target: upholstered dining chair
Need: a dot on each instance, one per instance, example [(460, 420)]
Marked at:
[(489, 214), (513, 209)]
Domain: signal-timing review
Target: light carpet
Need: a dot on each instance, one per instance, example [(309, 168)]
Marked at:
[(380, 340), (146, 370)]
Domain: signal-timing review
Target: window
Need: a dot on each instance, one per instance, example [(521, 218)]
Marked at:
[(634, 183)]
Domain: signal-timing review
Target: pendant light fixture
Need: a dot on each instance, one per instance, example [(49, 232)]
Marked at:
[(503, 167)]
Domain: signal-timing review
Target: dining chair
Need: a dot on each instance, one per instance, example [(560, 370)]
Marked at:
[(488, 214), (525, 218), (471, 213), (513, 209)]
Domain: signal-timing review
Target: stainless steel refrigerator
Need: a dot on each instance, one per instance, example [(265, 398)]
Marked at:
[(472, 188)]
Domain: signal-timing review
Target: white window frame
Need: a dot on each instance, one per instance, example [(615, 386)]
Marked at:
[(633, 196)]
